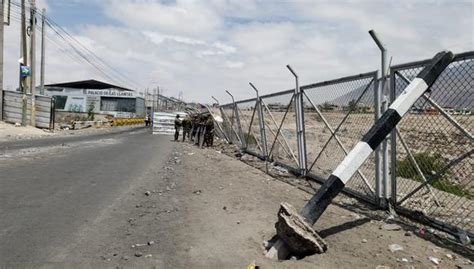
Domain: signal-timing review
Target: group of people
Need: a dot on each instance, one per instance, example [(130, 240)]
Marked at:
[(198, 128)]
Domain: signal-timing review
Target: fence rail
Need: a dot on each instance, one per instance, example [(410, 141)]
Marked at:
[(429, 164)]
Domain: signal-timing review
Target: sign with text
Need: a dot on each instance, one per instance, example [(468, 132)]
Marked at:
[(110, 92)]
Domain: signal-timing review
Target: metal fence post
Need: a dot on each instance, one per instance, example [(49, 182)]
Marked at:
[(381, 157), (393, 145), (300, 131), (261, 123), (237, 117), (377, 152), (217, 101)]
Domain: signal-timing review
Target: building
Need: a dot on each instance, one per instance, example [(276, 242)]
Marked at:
[(92, 96)]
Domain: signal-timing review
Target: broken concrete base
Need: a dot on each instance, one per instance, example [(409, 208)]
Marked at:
[(278, 251), (299, 237)]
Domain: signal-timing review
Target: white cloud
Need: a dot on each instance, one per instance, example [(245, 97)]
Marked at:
[(204, 47), (185, 17), (237, 65)]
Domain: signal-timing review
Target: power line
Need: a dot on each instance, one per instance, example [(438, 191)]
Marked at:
[(60, 44), (84, 53), (91, 52)]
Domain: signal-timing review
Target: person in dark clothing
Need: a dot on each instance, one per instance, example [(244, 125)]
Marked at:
[(194, 127), (147, 120), (177, 126), (209, 134), (187, 125)]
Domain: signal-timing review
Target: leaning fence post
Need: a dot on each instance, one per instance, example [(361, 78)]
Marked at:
[(239, 127), (216, 122), (382, 164), (261, 123), (300, 132), (221, 128)]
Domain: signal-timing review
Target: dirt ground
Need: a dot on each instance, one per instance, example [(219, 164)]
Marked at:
[(206, 209), (10, 132), (422, 134)]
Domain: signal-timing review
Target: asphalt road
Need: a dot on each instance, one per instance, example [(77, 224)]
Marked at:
[(52, 193)]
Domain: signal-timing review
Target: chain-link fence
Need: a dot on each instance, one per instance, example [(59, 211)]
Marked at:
[(337, 114), (433, 153), (230, 124), (251, 137), (279, 117), (431, 166)]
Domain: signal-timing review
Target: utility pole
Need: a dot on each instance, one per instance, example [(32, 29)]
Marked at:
[(33, 61), (1, 58), (158, 98), (23, 61), (153, 100), (146, 100), (43, 48)]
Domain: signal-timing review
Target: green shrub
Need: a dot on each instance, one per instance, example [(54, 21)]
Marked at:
[(427, 162), (430, 164)]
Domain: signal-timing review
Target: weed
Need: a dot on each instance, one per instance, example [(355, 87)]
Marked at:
[(430, 165)]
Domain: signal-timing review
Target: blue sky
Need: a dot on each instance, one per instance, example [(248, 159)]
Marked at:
[(74, 13), (201, 47)]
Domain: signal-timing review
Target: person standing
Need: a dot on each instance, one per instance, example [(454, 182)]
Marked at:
[(194, 127), (177, 126), (209, 134), (147, 120), (187, 125)]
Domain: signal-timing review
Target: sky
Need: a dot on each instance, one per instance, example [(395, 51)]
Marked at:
[(203, 47)]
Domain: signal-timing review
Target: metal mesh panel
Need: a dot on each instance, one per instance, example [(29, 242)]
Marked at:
[(250, 128), (337, 115), (230, 123), (218, 121), (280, 121), (433, 148)]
